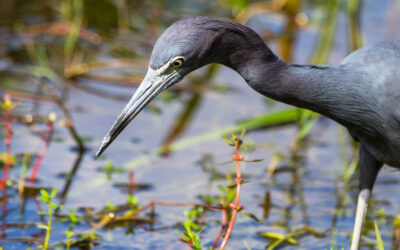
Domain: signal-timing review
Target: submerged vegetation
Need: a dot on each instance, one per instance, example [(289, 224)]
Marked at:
[(67, 66)]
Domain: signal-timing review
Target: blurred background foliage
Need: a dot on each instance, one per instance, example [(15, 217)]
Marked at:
[(83, 59)]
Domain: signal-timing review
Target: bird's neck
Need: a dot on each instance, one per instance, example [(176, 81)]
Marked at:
[(334, 91), (305, 86), (243, 50), (329, 90)]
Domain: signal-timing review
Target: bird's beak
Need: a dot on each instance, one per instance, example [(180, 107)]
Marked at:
[(153, 84)]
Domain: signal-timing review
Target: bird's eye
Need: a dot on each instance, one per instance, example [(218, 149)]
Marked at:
[(177, 62)]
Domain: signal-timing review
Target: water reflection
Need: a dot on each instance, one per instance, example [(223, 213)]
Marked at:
[(83, 59)]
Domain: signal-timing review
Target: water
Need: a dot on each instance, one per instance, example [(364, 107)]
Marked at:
[(307, 195)]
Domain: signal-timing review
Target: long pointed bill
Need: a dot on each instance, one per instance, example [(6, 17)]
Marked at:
[(153, 84)]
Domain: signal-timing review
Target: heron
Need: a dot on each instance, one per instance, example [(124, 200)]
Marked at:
[(362, 93)]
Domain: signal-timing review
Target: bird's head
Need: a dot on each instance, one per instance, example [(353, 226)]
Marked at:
[(184, 47)]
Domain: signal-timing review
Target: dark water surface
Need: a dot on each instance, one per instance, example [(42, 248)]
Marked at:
[(307, 195)]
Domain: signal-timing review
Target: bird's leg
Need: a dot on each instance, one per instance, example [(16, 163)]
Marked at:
[(362, 204), (369, 168)]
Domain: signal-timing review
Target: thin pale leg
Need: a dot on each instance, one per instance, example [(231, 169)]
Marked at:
[(369, 168), (362, 205)]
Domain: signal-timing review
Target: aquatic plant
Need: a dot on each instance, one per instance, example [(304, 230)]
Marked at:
[(235, 206), (51, 208), (192, 230)]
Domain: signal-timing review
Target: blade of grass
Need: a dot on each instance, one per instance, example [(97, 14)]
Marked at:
[(354, 31), (77, 19), (378, 237)]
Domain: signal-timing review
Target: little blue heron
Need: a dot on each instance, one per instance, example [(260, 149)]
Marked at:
[(362, 93)]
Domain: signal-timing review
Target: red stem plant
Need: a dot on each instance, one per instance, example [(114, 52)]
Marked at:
[(47, 139), (235, 207), (224, 223), (7, 106)]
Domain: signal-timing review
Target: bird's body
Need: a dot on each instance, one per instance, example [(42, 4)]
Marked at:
[(362, 93), (378, 65)]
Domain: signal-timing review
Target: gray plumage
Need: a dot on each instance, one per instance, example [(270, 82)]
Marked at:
[(359, 93), (362, 93)]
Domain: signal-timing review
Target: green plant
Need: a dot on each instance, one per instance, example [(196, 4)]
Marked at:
[(46, 198), (24, 166), (73, 219), (133, 202), (109, 169), (69, 234), (192, 230), (378, 237), (234, 205)]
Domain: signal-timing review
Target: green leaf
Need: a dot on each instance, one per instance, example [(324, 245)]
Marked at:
[(72, 217), (231, 195), (210, 199), (109, 165), (69, 233), (53, 192), (11, 158), (41, 226), (272, 235), (250, 215), (306, 128), (183, 236), (242, 133), (396, 221), (42, 199), (42, 212), (234, 137), (132, 200), (228, 141), (278, 236), (44, 193), (255, 160), (222, 188), (187, 225), (53, 205), (110, 206), (378, 237)]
